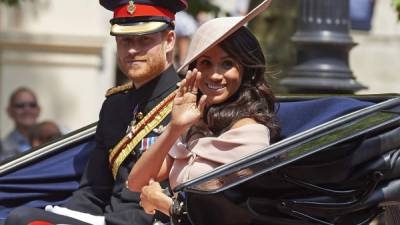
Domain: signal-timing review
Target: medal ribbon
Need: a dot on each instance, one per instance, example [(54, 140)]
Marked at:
[(128, 143)]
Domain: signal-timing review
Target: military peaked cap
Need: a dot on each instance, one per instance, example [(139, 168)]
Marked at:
[(137, 17)]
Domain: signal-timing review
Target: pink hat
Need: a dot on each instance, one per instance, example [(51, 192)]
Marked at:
[(212, 32)]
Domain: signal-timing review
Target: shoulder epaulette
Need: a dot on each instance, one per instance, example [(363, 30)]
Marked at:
[(118, 89)]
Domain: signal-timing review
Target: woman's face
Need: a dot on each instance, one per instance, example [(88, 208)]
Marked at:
[(221, 75)]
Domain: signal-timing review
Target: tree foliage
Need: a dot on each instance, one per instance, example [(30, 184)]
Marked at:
[(10, 2), (396, 4), (274, 29)]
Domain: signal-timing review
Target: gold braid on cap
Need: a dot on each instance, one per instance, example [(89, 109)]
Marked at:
[(119, 89)]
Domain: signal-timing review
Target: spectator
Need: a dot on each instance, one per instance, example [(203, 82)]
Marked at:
[(241, 7), (43, 132), (185, 26), (23, 109)]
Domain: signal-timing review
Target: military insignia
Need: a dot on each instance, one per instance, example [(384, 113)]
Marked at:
[(134, 120), (131, 125), (131, 7), (126, 146), (139, 116), (159, 129), (119, 89), (146, 143)]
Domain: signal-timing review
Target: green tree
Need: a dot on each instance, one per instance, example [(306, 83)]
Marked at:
[(396, 4), (10, 2), (274, 29)]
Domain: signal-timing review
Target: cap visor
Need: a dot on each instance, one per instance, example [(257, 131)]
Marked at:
[(140, 28)]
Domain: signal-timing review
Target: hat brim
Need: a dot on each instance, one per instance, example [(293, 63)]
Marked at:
[(139, 28), (214, 31)]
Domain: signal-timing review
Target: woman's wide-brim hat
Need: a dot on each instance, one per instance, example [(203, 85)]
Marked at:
[(214, 31)]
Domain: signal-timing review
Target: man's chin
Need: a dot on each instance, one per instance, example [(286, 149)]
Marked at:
[(140, 79)]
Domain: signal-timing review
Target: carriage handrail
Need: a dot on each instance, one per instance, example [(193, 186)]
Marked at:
[(49, 148)]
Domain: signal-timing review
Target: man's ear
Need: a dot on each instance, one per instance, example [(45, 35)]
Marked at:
[(170, 39)]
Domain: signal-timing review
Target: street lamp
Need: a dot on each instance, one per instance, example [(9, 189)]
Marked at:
[(323, 43)]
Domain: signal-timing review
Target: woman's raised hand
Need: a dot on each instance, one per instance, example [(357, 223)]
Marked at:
[(186, 110)]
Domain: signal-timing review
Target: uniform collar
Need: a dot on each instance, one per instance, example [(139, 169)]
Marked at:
[(158, 86)]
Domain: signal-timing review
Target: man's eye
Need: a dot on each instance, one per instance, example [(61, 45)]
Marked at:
[(145, 39), (125, 41), (227, 64)]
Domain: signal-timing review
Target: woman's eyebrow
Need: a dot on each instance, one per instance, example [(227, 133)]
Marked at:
[(226, 57), (204, 56), (223, 57)]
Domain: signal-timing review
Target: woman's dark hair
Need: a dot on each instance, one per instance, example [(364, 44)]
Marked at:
[(254, 99)]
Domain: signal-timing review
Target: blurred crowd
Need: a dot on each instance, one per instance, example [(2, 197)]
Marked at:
[(24, 110)]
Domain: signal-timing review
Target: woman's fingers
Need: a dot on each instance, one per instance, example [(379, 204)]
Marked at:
[(147, 202), (191, 77), (148, 209), (202, 104), (146, 205), (181, 90), (196, 78)]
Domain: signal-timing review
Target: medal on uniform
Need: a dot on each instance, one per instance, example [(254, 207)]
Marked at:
[(135, 117), (146, 143), (158, 130)]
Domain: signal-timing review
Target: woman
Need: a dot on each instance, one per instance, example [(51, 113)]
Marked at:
[(223, 111)]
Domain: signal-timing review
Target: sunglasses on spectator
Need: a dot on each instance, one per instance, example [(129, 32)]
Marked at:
[(22, 105)]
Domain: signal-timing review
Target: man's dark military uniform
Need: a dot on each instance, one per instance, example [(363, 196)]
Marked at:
[(100, 193), (97, 183)]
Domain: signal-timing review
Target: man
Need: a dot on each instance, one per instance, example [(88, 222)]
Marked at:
[(43, 132), (24, 110), (131, 118), (185, 27)]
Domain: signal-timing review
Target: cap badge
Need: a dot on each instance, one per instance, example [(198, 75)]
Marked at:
[(131, 7)]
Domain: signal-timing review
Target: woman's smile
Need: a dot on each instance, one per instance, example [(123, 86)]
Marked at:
[(215, 87), (221, 75)]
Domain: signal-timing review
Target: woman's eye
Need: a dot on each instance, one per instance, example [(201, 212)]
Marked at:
[(227, 64), (205, 62)]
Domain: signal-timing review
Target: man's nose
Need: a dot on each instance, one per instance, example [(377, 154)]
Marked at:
[(134, 46), (133, 49)]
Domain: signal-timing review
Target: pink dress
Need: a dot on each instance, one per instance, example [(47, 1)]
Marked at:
[(207, 153)]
